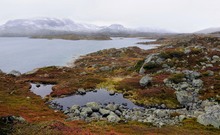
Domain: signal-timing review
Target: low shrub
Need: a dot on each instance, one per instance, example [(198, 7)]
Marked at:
[(177, 78)]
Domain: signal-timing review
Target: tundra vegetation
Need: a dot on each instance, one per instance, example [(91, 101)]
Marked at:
[(178, 83)]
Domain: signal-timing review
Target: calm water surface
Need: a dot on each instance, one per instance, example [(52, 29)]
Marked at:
[(24, 54), (100, 96)]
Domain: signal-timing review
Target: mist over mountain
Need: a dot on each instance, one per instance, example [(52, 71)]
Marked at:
[(54, 26), (209, 30)]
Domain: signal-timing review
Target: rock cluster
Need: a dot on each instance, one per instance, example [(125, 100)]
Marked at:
[(206, 112), (119, 113), (187, 89)]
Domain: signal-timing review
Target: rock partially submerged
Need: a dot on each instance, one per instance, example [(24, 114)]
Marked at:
[(81, 91)]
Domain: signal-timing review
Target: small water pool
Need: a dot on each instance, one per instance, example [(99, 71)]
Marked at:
[(41, 89), (101, 96)]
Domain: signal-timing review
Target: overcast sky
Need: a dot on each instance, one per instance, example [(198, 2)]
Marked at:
[(177, 15)]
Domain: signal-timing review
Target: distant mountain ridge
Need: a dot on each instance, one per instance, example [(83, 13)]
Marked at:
[(209, 30), (53, 26)]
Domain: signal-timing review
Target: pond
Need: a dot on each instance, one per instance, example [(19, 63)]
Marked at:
[(101, 96)]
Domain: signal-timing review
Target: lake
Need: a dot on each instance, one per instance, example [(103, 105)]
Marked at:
[(25, 54)]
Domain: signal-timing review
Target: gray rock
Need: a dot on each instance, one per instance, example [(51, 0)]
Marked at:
[(195, 74), (81, 91), (182, 117), (216, 58), (142, 70), (93, 105), (145, 80), (111, 92), (112, 107), (15, 73), (76, 112), (105, 68), (163, 106), (184, 97), (104, 112), (74, 107), (83, 115), (118, 113), (161, 113), (197, 83), (207, 103), (112, 117), (191, 74), (38, 85), (165, 66), (95, 115), (210, 73), (1, 71), (187, 50), (159, 60), (209, 65), (211, 117), (19, 118), (87, 110), (148, 59), (184, 85)]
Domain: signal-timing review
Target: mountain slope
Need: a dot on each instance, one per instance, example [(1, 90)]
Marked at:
[(209, 30), (53, 26)]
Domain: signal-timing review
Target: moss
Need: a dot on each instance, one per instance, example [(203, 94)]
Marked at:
[(196, 51), (109, 84), (151, 65), (177, 78), (178, 53), (50, 68), (174, 114)]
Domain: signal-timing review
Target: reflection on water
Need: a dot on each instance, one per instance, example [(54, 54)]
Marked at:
[(100, 96)]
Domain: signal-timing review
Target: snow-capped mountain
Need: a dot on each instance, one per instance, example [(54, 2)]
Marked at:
[(44, 26), (48, 26)]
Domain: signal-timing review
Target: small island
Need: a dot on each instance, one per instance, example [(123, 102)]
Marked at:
[(74, 37)]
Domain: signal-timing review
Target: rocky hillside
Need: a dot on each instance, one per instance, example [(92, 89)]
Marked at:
[(177, 84)]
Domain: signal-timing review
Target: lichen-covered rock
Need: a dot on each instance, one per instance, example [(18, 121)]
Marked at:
[(111, 92), (148, 59), (104, 112), (81, 91), (211, 117), (74, 107), (197, 83), (112, 117), (184, 97), (161, 113), (112, 107), (93, 105), (87, 110), (146, 80)]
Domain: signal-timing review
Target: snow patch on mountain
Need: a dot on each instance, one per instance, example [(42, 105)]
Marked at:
[(47, 26)]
